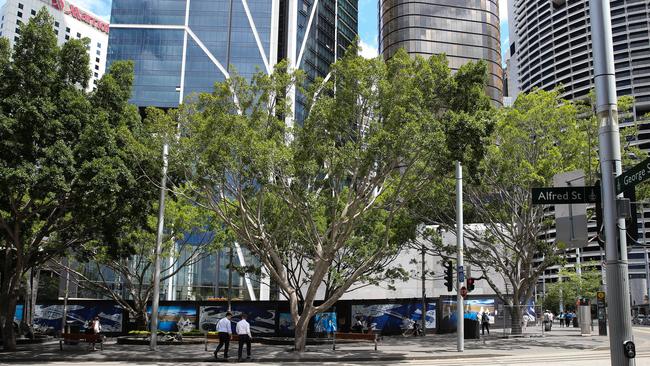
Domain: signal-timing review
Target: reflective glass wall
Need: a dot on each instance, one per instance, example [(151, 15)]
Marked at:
[(466, 30)]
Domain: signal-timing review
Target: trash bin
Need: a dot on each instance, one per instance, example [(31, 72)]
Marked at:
[(575, 322), (472, 329)]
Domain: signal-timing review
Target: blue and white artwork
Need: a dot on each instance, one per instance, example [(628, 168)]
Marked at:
[(18, 315), (260, 316), (286, 326), (393, 317), (325, 323), (47, 318), (176, 318)]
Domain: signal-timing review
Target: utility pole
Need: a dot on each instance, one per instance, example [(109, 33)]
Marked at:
[(230, 279), (424, 292), (459, 249), (159, 237), (618, 294)]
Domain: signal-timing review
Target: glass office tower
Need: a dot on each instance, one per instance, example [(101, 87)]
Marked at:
[(464, 30), (181, 47)]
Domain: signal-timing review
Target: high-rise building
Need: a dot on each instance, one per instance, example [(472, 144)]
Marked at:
[(70, 22), (182, 47), (550, 46), (465, 31)]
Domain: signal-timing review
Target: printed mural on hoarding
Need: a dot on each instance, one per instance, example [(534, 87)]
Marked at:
[(176, 318), (260, 317), (47, 318), (474, 308), (325, 323), (392, 317)]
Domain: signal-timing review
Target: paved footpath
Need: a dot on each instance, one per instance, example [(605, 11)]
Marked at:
[(559, 347)]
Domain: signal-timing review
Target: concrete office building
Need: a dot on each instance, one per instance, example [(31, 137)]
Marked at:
[(550, 46), (465, 31), (70, 22)]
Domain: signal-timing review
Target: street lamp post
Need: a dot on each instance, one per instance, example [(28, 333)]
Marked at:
[(618, 298), (460, 342)]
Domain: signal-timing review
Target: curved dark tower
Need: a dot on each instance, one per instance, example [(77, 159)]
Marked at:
[(464, 30)]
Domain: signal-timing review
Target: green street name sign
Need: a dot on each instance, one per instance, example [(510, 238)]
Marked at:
[(565, 195), (632, 177)]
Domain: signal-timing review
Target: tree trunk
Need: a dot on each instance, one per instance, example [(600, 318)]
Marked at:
[(300, 338), (516, 316), (8, 333)]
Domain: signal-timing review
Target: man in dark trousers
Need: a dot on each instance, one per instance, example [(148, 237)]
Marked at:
[(245, 337), (485, 322), (224, 330)]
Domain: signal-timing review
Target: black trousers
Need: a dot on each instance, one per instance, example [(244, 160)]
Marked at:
[(244, 339), (224, 340), (484, 326)]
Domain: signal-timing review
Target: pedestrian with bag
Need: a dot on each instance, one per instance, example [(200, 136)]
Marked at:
[(245, 337), (224, 330), (485, 322)]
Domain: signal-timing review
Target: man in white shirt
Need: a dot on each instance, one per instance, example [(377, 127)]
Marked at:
[(245, 337), (224, 330)]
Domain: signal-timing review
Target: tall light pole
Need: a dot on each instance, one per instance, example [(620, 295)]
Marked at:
[(618, 298), (159, 238), (460, 313), (424, 292)]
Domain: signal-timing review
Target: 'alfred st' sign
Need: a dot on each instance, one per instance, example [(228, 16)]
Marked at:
[(565, 195), (634, 176)]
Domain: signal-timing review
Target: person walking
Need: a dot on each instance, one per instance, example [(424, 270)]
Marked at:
[(485, 322), (567, 319), (561, 318), (245, 337), (95, 330), (224, 330)]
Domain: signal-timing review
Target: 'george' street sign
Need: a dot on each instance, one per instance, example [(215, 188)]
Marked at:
[(565, 195), (632, 177)]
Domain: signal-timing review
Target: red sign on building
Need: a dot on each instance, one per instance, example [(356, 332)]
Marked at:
[(81, 15)]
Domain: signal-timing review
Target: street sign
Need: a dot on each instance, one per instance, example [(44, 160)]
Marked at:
[(463, 292), (632, 177), (602, 314), (461, 274), (565, 195)]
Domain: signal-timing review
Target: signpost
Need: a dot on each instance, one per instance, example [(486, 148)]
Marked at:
[(565, 195), (633, 176), (602, 313)]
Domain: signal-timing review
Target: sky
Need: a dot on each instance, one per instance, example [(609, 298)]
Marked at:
[(368, 19)]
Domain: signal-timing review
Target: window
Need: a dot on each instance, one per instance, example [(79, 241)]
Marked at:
[(97, 67), (56, 24), (99, 53), (78, 35), (16, 39), (20, 6), (96, 75), (67, 29), (97, 59), (20, 14), (99, 45), (67, 37), (33, 12), (56, 31), (18, 22)]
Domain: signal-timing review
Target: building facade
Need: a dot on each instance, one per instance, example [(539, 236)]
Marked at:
[(70, 22), (182, 47), (550, 46), (463, 30)]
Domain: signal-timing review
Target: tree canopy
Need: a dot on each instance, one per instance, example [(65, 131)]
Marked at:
[(323, 202)]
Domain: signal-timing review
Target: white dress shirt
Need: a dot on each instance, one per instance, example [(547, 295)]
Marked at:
[(223, 326), (244, 328)]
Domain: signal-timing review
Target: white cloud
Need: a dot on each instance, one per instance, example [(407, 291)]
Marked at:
[(102, 8), (503, 10), (368, 51)]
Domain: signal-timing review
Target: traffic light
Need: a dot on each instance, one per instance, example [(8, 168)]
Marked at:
[(449, 275), (470, 284)]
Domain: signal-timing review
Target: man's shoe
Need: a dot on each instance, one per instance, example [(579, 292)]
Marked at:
[(216, 356)]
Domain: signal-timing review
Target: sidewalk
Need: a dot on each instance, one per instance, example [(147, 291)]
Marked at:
[(390, 349)]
